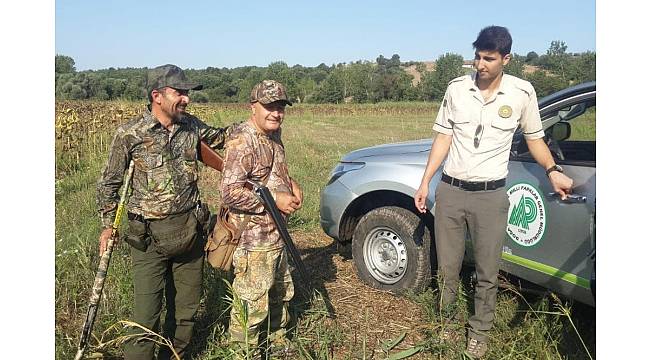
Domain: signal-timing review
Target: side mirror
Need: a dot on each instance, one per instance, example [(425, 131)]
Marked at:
[(574, 111), (561, 131)]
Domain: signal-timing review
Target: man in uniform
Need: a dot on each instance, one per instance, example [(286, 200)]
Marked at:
[(475, 124), (255, 152), (164, 210)]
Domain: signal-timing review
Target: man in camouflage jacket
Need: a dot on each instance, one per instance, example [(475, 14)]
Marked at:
[(254, 151), (164, 210)]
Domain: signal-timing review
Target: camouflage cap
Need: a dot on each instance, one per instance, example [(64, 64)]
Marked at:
[(169, 75), (269, 91)]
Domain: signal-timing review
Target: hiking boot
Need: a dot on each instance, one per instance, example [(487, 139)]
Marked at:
[(476, 349)]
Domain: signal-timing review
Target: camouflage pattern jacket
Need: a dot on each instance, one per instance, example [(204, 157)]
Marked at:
[(166, 166), (253, 155)]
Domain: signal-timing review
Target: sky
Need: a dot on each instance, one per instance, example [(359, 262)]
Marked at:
[(199, 34)]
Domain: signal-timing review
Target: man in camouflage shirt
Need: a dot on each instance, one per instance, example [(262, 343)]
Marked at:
[(254, 151), (164, 210)]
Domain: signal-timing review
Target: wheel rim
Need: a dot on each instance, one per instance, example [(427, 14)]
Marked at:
[(385, 255)]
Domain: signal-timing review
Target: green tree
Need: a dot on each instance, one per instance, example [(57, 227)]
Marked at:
[(434, 84), (356, 80), (331, 89), (281, 72), (63, 64), (77, 92), (199, 97), (388, 81), (557, 59), (515, 66), (62, 85), (531, 57), (557, 48), (134, 91), (546, 84), (254, 76), (306, 89), (585, 67)]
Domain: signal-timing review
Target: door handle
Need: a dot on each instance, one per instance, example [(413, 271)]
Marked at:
[(570, 198)]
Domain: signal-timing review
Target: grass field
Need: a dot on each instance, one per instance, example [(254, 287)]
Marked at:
[(348, 320)]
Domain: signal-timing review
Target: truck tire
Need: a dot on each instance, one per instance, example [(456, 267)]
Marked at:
[(391, 250)]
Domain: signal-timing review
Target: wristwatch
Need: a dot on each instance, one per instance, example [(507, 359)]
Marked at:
[(555, 167)]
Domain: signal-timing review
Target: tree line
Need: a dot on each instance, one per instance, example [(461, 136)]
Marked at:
[(386, 79)]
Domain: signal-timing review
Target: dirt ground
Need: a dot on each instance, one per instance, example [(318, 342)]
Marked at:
[(361, 312)]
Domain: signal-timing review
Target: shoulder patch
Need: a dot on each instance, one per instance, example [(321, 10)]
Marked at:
[(460, 78), (523, 85)]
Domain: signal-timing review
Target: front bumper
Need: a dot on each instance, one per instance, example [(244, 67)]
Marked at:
[(334, 199)]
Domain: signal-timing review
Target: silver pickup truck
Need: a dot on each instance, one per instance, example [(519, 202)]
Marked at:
[(550, 242)]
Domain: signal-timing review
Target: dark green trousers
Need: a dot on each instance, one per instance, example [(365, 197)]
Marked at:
[(482, 215), (176, 278)]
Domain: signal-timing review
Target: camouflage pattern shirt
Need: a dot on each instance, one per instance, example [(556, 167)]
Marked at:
[(166, 166), (251, 154)]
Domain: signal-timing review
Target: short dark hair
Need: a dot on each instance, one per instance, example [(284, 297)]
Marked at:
[(494, 38)]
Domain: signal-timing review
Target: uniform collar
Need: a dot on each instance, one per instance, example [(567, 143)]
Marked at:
[(504, 86)]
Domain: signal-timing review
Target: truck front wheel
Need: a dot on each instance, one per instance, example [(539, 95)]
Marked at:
[(391, 250)]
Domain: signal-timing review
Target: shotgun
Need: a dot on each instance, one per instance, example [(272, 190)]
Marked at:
[(269, 203), (102, 269)]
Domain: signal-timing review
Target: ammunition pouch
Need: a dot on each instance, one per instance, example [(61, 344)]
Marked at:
[(223, 240), (175, 234)]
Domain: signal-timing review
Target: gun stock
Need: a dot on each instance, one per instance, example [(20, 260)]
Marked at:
[(102, 268), (210, 157)]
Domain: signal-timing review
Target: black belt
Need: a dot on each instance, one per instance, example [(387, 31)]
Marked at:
[(474, 185)]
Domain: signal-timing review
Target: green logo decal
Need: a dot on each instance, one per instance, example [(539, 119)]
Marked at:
[(526, 215), (523, 213)]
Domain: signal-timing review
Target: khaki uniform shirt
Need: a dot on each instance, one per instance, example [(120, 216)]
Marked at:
[(166, 169), (464, 109), (250, 154)]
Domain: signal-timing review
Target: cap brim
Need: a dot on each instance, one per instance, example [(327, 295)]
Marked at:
[(269, 102), (187, 86)]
